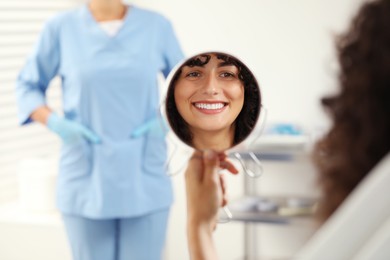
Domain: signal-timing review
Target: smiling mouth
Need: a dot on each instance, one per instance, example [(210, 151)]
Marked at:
[(210, 106)]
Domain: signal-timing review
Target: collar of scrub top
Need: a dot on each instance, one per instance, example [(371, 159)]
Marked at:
[(95, 26), (111, 27)]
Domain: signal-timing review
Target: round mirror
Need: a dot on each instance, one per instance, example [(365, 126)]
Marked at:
[(213, 101)]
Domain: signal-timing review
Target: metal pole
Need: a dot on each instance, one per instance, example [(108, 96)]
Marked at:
[(251, 245)]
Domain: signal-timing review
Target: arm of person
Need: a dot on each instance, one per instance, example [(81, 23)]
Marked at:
[(200, 242), (172, 51), (204, 198), (33, 80), (205, 195)]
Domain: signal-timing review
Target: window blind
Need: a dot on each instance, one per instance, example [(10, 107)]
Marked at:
[(20, 25)]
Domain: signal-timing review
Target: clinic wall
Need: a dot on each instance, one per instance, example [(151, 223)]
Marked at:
[(288, 43)]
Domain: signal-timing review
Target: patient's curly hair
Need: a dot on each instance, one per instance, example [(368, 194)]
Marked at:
[(360, 112), (246, 119)]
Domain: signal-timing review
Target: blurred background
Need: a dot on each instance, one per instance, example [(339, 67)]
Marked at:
[(288, 44)]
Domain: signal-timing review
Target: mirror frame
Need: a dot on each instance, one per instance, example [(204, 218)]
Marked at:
[(252, 101)]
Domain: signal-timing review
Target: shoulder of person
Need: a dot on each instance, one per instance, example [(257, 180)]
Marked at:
[(55, 21), (152, 16)]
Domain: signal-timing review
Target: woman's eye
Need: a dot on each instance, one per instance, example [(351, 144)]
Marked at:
[(227, 75), (193, 74)]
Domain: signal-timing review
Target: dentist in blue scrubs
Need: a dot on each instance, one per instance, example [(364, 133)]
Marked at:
[(112, 190)]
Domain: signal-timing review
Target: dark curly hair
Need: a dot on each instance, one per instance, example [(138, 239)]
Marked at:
[(360, 134), (247, 118)]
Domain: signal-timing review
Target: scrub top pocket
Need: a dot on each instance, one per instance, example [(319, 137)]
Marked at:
[(75, 160)]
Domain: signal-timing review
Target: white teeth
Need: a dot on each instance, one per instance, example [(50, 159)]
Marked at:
[(209, 106)]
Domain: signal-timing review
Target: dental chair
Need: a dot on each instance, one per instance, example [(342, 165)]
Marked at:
[(360, 227)]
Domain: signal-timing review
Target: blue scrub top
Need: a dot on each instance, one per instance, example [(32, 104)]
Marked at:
[(110, 85)]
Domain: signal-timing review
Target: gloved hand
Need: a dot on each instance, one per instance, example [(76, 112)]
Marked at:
[(70, 131), (156, 127)]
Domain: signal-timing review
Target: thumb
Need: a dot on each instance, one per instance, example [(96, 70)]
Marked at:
[(210, 170)]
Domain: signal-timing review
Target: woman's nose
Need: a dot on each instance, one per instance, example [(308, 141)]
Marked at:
[(211, 86)]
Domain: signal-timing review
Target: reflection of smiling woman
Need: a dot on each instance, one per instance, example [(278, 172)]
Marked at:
[(208, 96)]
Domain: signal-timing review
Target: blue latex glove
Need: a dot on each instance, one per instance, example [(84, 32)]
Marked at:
[(70, 131), (156, 127)]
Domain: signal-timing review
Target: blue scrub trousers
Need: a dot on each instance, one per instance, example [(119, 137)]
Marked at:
[(136, 238)]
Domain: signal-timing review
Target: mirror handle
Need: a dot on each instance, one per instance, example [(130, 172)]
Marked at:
[(257, 163)]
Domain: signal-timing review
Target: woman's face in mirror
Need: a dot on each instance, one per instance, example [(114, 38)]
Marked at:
[(209, 97), (213, 101)]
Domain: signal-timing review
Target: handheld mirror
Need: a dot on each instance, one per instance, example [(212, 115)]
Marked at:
[(213, 102)]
